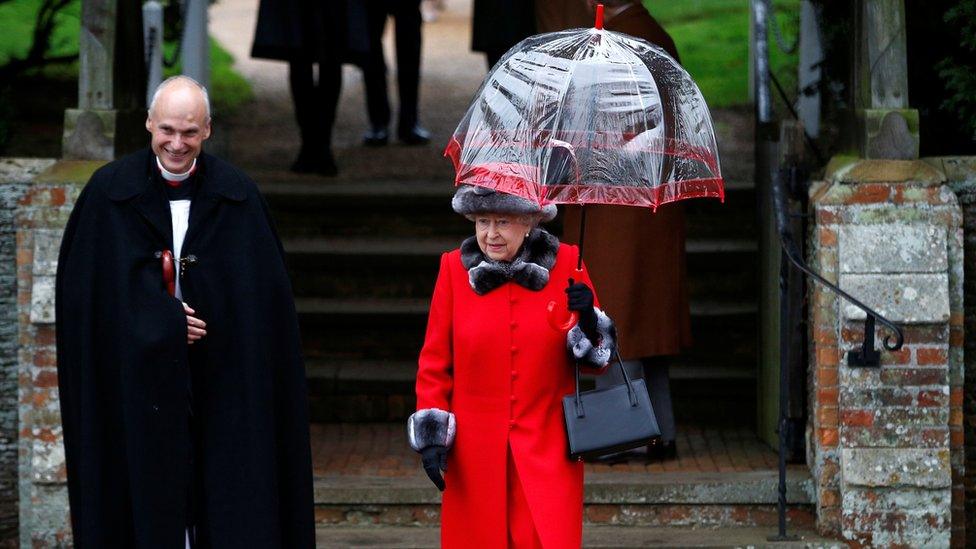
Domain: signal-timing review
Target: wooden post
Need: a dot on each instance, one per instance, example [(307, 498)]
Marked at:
[(111, 83), (887, 128)]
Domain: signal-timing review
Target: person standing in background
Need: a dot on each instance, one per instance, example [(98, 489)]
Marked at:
[(637, 259), (557, 15), (408, 21), (497, 25), (305, 33)]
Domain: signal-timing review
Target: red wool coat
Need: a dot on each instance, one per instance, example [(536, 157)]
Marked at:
[(495, 363)]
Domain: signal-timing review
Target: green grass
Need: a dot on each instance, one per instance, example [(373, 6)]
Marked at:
[(18, 26), (712, 37), (228, 89)]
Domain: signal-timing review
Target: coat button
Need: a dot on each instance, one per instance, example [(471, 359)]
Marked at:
[(513, 324), (514, 349), (514, 373), (513, 398), (511, 423)]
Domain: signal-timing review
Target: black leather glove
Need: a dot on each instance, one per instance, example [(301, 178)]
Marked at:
[(435, 461), (581, 300)]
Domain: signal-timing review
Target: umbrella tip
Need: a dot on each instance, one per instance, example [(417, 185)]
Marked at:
[(599, 17)]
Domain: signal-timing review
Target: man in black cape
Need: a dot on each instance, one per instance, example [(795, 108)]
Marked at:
[(184, 406)]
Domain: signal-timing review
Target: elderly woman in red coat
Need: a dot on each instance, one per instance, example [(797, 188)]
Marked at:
[(492, 374)]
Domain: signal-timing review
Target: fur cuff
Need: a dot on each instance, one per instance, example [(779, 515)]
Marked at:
[(431, 427), (584, 350)]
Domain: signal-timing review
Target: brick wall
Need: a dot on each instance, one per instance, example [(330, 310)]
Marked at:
[(14, 177), (41, 215), (886, 444)]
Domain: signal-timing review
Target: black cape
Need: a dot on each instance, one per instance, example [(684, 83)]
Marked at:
[(125, 370)]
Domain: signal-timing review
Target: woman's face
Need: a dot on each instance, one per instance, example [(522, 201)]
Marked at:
[(500, 235)]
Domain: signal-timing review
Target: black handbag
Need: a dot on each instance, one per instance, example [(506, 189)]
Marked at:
[(609, 420)]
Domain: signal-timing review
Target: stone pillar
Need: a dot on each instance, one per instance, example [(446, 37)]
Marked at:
[(961, 175), (109, 120), (885, 444), (887, 127), (40, 219)]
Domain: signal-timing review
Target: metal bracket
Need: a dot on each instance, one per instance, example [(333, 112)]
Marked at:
[(865, 356)]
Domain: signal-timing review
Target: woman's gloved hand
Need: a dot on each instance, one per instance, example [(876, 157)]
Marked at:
[(435, 460), (581, 300)]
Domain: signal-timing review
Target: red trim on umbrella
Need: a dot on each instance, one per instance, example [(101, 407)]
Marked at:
[(524, 180), (623, 195)]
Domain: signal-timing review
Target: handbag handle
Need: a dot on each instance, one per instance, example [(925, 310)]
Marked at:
[(631, 393)]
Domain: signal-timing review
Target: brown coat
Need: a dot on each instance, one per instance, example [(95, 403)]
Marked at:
[(557, 15), (636, 257)]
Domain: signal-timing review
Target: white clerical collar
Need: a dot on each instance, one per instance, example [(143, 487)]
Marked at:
[(176, 177)]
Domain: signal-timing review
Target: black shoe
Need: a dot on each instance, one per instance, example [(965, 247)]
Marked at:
[(304, 163), (416, 135), (321, 164), (327, 166), (376, 137)]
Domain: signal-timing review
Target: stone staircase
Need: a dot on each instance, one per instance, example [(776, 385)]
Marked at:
[(623, 510), (364, 257)]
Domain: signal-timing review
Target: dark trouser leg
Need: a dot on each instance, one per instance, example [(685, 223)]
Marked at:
[(374, 66), (408, 45), (658, 381), (330, 86), (306, 104), (492, 57)]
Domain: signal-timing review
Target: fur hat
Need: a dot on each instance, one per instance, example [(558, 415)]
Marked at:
[(475, 199)]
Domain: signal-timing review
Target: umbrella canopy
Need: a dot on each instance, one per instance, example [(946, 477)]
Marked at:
[(588, 116)]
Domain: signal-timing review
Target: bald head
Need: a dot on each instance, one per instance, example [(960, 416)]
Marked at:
[(179, 121), (181, 84)]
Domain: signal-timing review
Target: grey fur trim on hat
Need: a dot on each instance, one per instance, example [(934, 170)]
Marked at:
[(529, 269), (475, 199), (431, 427), (597, 355)]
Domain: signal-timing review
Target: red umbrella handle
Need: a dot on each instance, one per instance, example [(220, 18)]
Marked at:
[(561, 325), (561, 319), (169, 271)]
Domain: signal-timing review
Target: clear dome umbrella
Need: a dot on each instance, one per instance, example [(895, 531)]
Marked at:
[(588, 116)]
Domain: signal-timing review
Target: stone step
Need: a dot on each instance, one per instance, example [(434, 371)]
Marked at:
[(423, 208), (595, 536), (343, 390), (434, 246), (355, 375), (380, 267), (675, 499), (611, 488), (416, 309)]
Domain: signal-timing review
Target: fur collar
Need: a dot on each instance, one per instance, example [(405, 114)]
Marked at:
[(529, 269)]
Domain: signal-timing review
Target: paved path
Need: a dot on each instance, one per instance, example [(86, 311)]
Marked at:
[(381, 449), (266, 136)]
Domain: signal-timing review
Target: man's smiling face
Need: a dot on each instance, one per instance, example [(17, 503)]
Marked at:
[(179, 125)]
